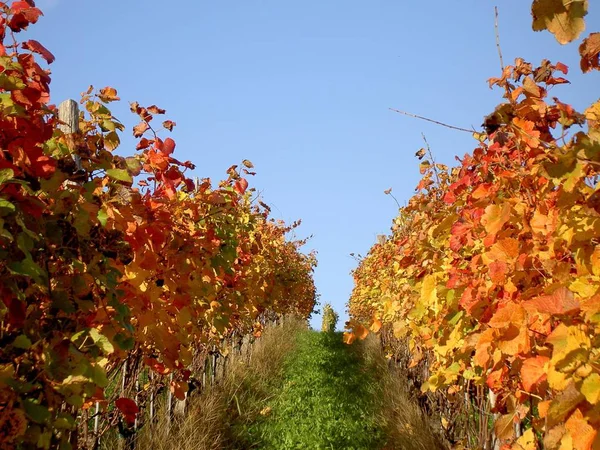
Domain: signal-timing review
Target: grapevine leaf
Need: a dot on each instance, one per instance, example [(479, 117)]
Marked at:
[(140, 129), (590, 52), (36, 412), (591, 388), (563, 404), (128, 408), (495, 217), (581, 432), (563, 18), (120, 175), (561, 301), (533, 372), (22, 342), (101, 341), (36, 47)]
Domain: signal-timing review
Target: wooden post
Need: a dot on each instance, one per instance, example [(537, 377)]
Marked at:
[(68, 113), (151, 377), (169, 400)]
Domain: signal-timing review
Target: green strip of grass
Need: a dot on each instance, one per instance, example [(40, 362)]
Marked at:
[(327, 400)]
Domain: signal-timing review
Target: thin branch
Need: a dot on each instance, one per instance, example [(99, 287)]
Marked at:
[(435, 171), (431, 120), (498, 40)]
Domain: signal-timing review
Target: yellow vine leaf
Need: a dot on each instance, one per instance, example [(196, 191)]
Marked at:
[(527, 441), (562, 18), (495, 217)]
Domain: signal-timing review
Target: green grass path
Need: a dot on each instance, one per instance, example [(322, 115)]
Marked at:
[(327, 399)]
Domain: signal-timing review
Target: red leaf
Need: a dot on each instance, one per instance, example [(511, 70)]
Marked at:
[(128, 408), (168, 146), (240, 186), (23, 15), (36, 47), (144, 143)]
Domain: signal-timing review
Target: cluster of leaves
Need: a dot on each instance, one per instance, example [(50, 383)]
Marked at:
[(493, 267), (95, 265), (330, 319)]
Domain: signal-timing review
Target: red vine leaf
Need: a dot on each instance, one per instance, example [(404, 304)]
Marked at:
[(36, 47), (590, 52)]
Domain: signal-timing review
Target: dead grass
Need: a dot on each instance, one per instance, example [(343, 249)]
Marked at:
[(216, 418), (403, 421)]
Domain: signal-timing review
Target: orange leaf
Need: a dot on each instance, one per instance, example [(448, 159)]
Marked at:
[(376, 326), (582, 433), (509, 314), (561, 301), (495, 217), (498, 270), (533, 372), (590, 52)]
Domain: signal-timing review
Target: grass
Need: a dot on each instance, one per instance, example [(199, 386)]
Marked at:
[(218, 417), (299, 390), (404, 424), (327, 400)]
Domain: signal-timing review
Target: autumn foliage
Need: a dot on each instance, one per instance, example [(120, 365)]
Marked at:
[(492, 270), (103, 256)]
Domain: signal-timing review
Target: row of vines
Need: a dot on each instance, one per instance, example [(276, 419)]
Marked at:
[(112, 266), (490, 280)]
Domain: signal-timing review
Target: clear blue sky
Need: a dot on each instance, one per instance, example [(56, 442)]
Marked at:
[(302, 89)]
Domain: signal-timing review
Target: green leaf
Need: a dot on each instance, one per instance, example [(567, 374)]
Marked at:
[(6, 207), (124, 342), (98, 375), (22, 342), (29, 268), (119, 174), (11, 83), (5, 175), (101, 341), (134, 165), (37, 413), (102, 216)]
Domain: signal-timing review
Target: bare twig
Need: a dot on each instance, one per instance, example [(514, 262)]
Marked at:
[(431, 120), (498, 39), (435, 171)]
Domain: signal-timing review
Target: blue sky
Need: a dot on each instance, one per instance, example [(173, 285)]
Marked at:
[(302, 89)]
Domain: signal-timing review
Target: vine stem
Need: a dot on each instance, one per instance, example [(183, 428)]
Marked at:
[(431, 120)]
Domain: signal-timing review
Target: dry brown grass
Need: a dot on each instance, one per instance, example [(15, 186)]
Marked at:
[(404, 423), (215, 418)]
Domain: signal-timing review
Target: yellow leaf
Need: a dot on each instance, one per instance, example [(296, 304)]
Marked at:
[(527, 441), (400, 330), (562, 18), (569, 342), (495, 217), (591, 388), (429, 291)]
